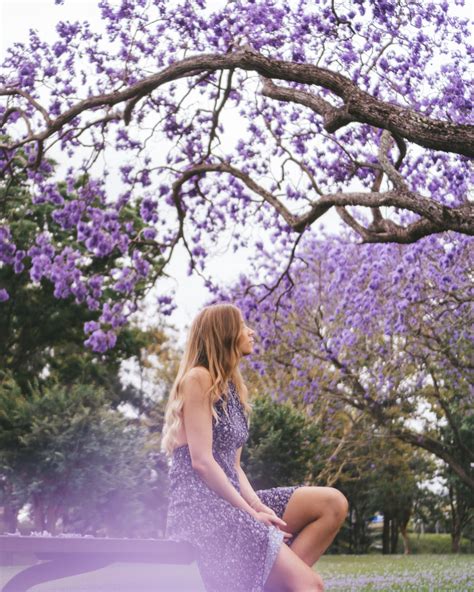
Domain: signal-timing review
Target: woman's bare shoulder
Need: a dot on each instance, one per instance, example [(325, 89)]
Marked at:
[(197, 376)]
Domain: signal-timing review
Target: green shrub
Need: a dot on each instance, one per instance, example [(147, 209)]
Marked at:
[(421, 544)]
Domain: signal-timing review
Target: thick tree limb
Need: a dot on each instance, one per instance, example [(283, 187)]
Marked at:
[(436, 217), (382, 229), (436, 448), (386, 231), (334, 117), (359, 105), (398, 122)]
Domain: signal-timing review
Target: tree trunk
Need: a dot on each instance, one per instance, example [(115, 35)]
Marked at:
[(10, 517), (393, 535), (456, 527), (39, 520), (406, 541), (352, 515), (52, 512), (403, 523), (456, 541), (386, 534), (356, 539), (363, 540)]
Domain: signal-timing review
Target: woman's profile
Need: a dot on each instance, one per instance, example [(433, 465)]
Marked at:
[(247, 541)]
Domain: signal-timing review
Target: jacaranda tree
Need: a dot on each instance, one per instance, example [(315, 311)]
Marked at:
[(383, 329), (214, 115)]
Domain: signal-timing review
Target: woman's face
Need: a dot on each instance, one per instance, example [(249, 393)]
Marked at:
[(246, 340)]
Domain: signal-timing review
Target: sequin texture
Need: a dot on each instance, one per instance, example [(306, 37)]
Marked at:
[(235, 551)]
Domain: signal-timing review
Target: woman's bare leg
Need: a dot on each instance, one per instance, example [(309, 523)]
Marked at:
[(316, 514), (291, 574)]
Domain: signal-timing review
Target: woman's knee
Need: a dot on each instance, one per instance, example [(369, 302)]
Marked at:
[(318, 583), (338, 504)]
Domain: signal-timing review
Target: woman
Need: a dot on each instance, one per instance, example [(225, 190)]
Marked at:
[(239, 533)]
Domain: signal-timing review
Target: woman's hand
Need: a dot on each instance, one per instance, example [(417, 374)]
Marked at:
[(261, 507), (268, 517)]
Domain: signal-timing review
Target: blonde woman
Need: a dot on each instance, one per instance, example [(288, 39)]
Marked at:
[(247, 541)]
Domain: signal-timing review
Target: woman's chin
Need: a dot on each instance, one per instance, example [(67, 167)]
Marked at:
[(246, 352)]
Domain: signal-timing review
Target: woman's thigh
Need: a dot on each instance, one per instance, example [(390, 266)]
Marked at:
[(290, 573), (308, 503)]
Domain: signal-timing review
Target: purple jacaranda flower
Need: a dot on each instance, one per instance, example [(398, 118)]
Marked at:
[(91, 326), (101, 341), (148, 210)]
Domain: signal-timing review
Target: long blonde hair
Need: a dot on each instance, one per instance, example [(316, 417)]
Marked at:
[(212, 343)]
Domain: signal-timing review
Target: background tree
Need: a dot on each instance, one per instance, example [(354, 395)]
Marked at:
[(399, 471), (462, 513), (338, 106), (42, 355), (283, 446), (79, 464), (380, 474), (396, 362), (42, 324)]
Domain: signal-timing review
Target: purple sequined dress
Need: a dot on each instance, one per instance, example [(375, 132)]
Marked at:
[(235, 551)]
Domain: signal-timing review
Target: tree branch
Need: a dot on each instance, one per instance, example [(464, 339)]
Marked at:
[(333, 117), (360, 106), (436, 217)]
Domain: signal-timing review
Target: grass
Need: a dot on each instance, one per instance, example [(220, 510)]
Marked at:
[(411, 573), (343, 573)]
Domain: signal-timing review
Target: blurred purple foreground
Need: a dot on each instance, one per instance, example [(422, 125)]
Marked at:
[(61, 557)]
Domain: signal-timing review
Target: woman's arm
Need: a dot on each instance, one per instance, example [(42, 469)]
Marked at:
[(246, 489), (198, 426), (252, 498)]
